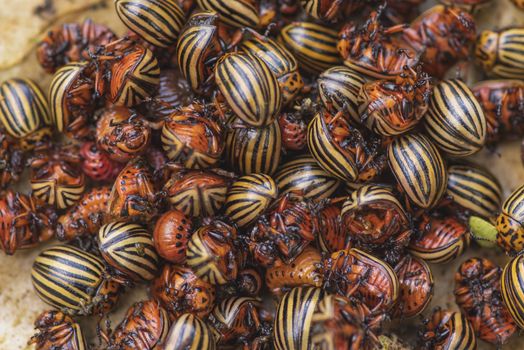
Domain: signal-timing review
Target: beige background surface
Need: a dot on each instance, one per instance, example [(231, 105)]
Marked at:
[(20, 30)]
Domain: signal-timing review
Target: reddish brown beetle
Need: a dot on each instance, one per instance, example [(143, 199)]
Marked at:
[(332, 235), (145, 326), (11, 161), (179, 291), (96, 163), (56, 330), (86, 217), (122, 133), (293, 129), (447, 330), (477, 292), (171, 235)]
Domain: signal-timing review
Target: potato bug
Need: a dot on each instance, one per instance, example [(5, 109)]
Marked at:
[(443, 36), (24, 112), (191, 333), (134, 77), (499, 53), (352, 272), (510, 232), (338, 89), (416, 287), (73, 281), (293, 129), (248, 197), (447, 330), (198, 48), (393, 108), (260, 100), (477, 292), (253, 150), (503, 103), (441, 239), (512, 289), (157, 22), (129, 249), (280, 61), (304, 178), (234, 13), (96, 163), (191, 137), (197, 193), (455, 120), (314, 45), (86, 216), (474, 189), (171, 235), (57, 330), (329, 10), (305, 270), (179, 291), (332, 235), (144, 326), (212, 253), (419, 169), (173, 91)]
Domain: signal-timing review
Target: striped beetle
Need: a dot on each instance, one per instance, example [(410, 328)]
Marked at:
[(513, 289), (510, 229), (500, 53), (234, 13), (57, 330), (447, 330), (191, 333)]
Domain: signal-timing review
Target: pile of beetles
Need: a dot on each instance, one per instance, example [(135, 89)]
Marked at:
[(278, 173)]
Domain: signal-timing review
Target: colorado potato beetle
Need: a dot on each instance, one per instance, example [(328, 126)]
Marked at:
[(510, 231), (474, 189), (447, 330), (293, 128), (419, 169), (133, 195), (314, 45), (332, 235), (443, 36), (500, 54), (212, 253), (24, 112), (122, 133), (190, 136), (352, 272), (190, 332), (197, 193), (249, 88), (145, 326), (179, 291), (477, 292), (234, 13), (171, 235), (86, 216), (416, 287), (304, 178), (248, 197), (253, 150), (73, 281), (513, 289), (338, 89), (455, 120), (96, 163), (440, 239), (392, 108), (57, 330), (128, 248), (157, 22), (281, 62), (329, 10), (173, 92)]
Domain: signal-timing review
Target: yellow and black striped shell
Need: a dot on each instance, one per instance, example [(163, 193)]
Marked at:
[(253, 150), (419, 169), (72, 280), (134, 78), (314, 45), (281, 62), (24, 112), (188, 332), (474, 189), (249, 87), (501, 53), (455, 120), (512, 287), (338, 88), (510, 229), (59, 185), (249, 197), (156, 21), (447, 330), (197, 45), (303, 177), (235, 13), (129, 249)]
